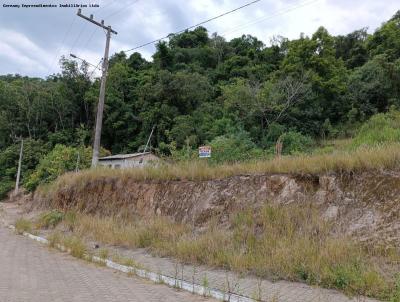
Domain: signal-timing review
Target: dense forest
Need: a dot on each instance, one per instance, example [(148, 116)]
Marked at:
[(201, 89)]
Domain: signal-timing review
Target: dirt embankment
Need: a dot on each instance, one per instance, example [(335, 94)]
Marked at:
[(366, 205)]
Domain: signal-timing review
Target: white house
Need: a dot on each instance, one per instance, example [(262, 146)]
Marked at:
[(125, 161)]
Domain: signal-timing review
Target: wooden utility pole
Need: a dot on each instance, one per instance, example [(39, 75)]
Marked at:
[(100, 106), (19, 167)]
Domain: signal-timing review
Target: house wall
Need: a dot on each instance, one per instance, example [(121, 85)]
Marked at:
[(133, 162)]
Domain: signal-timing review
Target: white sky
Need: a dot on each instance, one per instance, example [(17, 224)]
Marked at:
[(33, 39)]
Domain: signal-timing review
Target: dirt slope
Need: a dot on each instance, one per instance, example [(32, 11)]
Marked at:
[(366, 205)]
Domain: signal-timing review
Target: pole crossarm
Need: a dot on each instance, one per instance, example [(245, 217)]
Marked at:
[(101, 24)]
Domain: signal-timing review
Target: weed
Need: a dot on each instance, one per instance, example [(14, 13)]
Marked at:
[(160, 279), (54, 239), (274, 299), (76, 246), (131, 273), (50, 219), (258, 294), (23, 225), (395, 297), (194, 277), (130, 262), (89, 256), (103, 253), (125, 261), (69, 220), (289, 242), (176, 267), (206, 284)]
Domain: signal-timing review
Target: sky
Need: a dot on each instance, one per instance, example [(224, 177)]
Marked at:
[(32, 40)]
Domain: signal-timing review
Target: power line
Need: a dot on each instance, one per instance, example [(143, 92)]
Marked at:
[(80, 33), (95, 29), (120, 10), (90, 37), (275, 14), (194, 26), (77, 37), (95, 68), (59, 48), (103, 7)]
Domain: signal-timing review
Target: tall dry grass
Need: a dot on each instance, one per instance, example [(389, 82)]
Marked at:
[(291, 243), (367, 158)]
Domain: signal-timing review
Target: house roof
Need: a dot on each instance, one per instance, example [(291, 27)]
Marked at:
[(123, 156)]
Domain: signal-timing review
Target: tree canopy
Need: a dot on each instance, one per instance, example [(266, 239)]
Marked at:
[(200, 89)]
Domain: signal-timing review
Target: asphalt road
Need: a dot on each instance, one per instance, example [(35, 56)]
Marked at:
[(31, 272)]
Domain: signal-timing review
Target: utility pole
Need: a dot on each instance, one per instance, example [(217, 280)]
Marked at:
[(19, 167), (148, 141), (100, 106), (77, 162)]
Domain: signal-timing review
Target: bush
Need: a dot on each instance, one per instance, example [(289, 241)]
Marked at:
[(5, 187), (379, 129), (234, 148), (60, 160), (50, 219), (34, 150), (275, 130), (294, 143)]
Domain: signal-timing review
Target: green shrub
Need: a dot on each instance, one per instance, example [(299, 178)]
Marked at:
[(58, 161), (294, 143), (234, 148), (273, 133), (34, 150), (379, 129), (50, 219), (5, 187)]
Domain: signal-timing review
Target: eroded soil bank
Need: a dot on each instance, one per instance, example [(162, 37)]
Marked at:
[(365, 205)]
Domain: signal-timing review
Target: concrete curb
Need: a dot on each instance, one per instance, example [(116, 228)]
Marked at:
[(155, 277)]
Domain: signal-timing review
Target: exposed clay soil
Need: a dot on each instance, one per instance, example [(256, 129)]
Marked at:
[(366, 205)]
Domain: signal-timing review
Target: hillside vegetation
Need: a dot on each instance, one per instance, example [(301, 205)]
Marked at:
[(239, 96), (375, 147)]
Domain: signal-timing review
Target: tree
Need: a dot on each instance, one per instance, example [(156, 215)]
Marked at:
[(373, 88), (352, 48), (267, 102), (200, 87), (386, 39)]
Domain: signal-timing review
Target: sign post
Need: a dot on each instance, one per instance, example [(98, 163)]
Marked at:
[(204, 152)]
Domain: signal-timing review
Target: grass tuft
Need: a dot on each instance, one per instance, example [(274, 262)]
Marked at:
[(23, 225), (76, 246), (103, 253), (395, 297), (290, 242), (50, 219), (54, 239)]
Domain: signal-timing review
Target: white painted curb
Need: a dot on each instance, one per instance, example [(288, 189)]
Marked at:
[(158, 278)]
